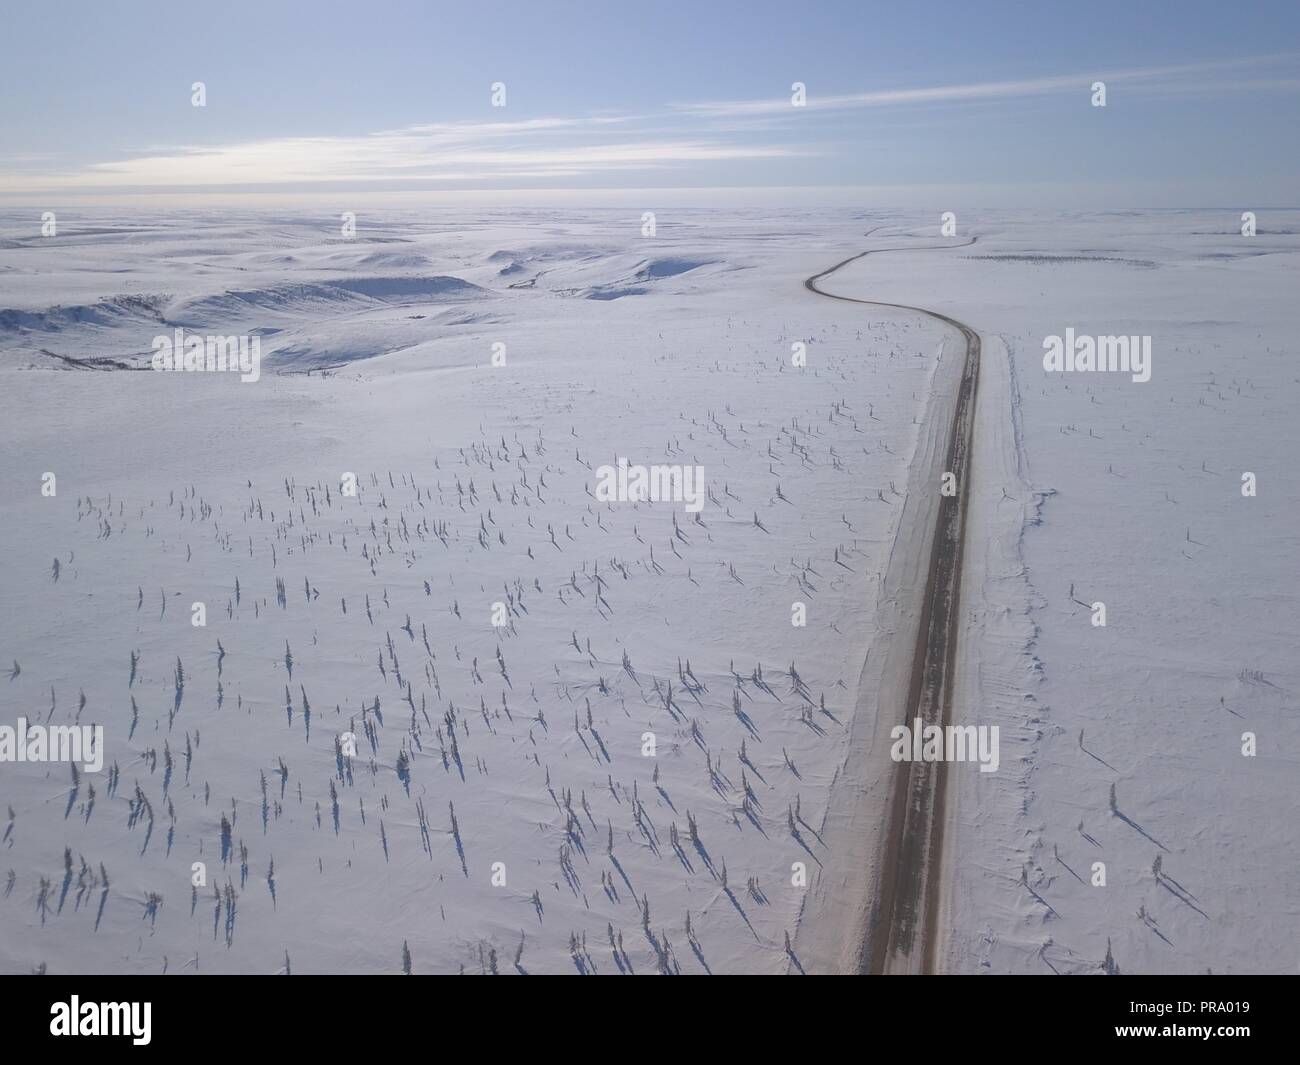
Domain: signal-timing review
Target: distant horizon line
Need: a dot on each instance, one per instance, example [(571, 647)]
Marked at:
[(1045, 195)]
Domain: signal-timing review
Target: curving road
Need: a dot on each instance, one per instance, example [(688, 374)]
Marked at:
[(902, 936)]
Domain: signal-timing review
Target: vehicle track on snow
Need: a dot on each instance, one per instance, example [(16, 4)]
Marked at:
[(902, 935)]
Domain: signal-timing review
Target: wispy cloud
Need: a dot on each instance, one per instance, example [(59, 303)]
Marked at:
[(683, 136), (1182, 77), (435, 153)]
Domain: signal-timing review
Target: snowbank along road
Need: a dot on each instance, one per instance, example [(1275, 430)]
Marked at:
[(902, 936)]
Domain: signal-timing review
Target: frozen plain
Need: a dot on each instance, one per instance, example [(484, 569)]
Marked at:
[(672, 349)]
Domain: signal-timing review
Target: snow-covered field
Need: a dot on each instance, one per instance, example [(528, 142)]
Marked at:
[(627, 624), (645, 739), (1133, 495)]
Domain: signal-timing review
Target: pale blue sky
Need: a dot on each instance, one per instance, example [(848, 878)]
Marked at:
[(979, 99)]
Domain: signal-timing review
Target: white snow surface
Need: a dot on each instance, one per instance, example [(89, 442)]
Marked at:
[(476, 487)]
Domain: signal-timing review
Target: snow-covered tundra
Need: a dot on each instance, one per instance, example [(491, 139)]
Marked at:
[(521, 605)]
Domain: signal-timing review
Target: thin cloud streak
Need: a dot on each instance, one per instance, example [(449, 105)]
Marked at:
[(554, 147), (436, 152), (1166, 77)]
